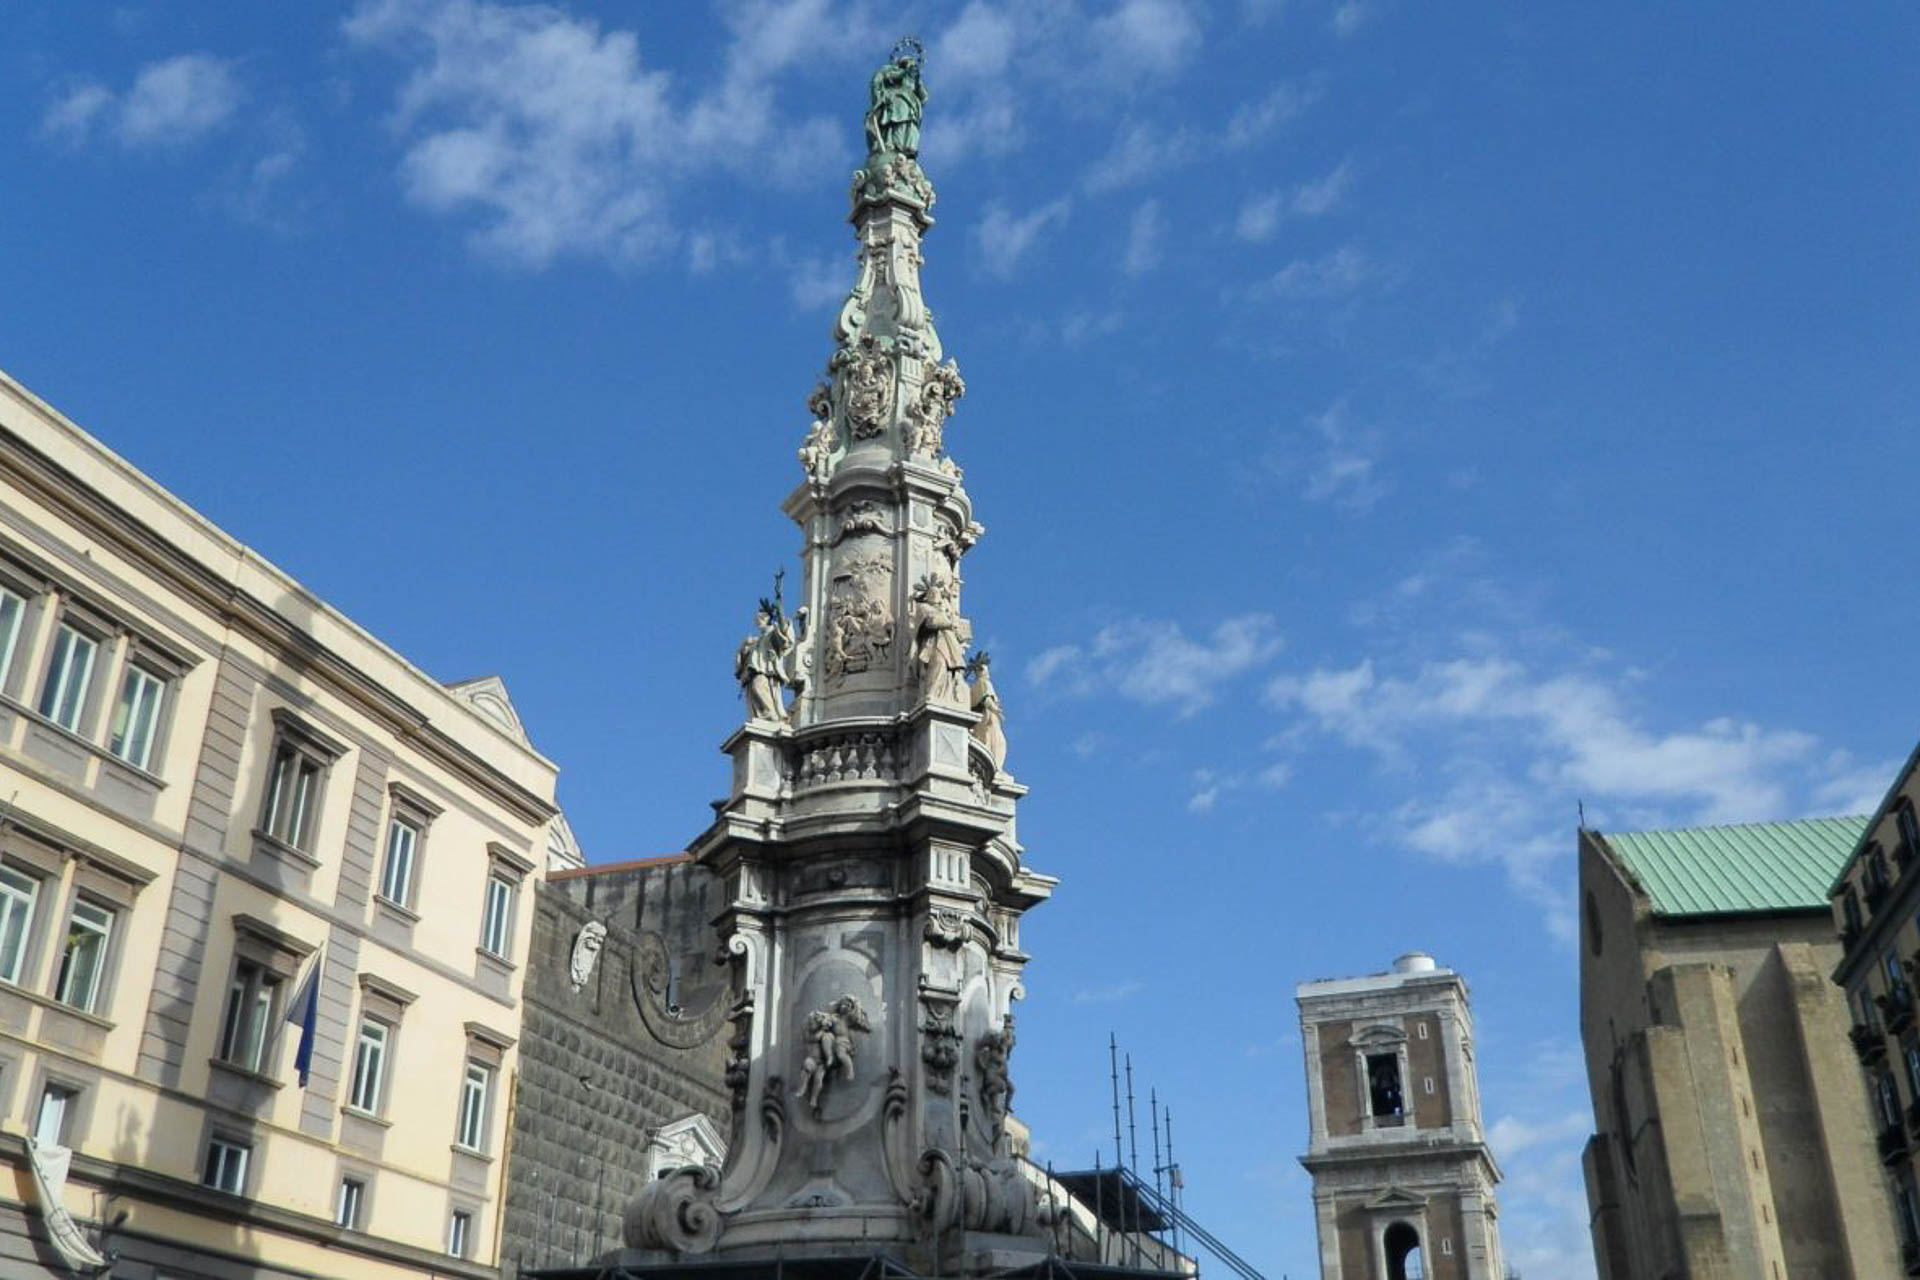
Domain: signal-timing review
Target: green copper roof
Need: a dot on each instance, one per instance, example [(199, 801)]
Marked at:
[(1756, 866)]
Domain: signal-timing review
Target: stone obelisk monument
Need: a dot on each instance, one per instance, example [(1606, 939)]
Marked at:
[(873, 880)]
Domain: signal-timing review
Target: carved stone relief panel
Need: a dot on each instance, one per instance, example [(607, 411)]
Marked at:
[(860, 625)]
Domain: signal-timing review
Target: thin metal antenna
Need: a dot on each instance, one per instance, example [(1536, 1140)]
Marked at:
[(1176, 1185), (1133, 1159), (1153, 1123), (1099, 1209), (1113, 1065)]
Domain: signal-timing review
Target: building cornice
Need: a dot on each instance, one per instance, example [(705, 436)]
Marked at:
[(222, 597), (219, 1207)]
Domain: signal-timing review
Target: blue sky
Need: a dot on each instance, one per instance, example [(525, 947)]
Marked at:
[(1393, 423)]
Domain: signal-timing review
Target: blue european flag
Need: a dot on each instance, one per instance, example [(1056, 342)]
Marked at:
[(304, 1010)]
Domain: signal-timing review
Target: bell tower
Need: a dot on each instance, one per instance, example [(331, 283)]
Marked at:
[(1402, 1176), (872, 879)]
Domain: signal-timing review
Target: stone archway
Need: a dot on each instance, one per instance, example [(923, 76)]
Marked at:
[(1404, 1255)]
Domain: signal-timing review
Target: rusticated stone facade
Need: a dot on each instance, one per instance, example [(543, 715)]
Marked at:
[(636, 1048)]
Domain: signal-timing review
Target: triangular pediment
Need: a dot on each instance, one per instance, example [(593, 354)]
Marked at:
[(1395, 1200)]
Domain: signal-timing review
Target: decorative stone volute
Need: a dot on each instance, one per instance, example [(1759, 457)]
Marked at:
[(867, 851)]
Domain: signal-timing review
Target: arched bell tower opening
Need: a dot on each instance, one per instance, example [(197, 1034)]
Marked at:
[(1403, 1253), (1402, 1177)]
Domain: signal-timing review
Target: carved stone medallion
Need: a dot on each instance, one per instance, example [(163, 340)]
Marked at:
[(868, 379)]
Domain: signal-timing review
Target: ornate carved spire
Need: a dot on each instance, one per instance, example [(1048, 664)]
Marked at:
[(874, 880)]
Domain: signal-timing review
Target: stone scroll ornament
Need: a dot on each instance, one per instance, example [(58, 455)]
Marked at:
[(586, 950), (830, 1033), (675, 1212)]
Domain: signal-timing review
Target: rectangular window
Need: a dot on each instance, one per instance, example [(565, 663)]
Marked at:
[(396, 877), (369, 1066), (497, 924), (472, 1129), (346, 1209), (17, 894), (50, 1122), (226, 1167), (136, 716), (64, 696), (253, 999), (84, 957), (292, 791), (459, 1227), (13, 607), (1383, 1086)]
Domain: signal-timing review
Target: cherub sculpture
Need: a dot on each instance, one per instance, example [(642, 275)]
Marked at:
[(830, 1047)]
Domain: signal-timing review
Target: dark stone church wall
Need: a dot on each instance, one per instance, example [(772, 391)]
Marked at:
[(640, 1045)]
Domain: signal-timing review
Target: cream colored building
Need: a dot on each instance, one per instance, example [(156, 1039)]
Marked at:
[(215, 786), (1731, 1136)]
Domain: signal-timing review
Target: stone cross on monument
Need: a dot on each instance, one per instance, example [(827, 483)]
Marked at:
[(872, 878)]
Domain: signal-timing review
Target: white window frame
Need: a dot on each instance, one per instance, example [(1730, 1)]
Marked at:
[(63, 693), (350, 1203), (100, 932), (12, 623), (61, 1098), (476, 1101), (16, 922), (246, 1024), (368, 1088), (400, 865), (496, 919), (136, 715), (225, 1167), (459, 1233), (294, 780)]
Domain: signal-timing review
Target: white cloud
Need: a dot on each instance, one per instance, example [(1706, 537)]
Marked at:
[(1254, 122), (1004, 238), (1500, 752), (1349, 17), (821, 282), (556, 137), (1150, 37), (1259, 218), (1154, 661), (1330, 275), (1140, 151), (1108, 995), (978, 45), (171, 102), (1345, 470), (1322, 195), (1510, 1135), (1143, 240)]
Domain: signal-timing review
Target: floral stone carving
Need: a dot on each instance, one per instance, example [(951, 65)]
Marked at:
[(830, 1034), (867, 376), (939, 1041)]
